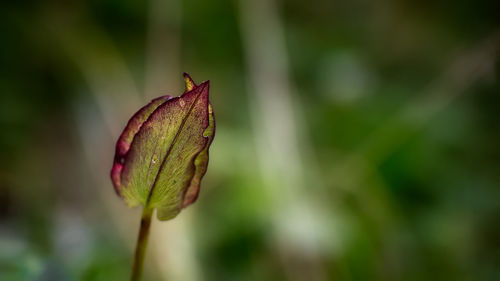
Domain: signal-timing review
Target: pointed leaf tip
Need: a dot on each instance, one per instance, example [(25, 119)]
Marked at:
[(189, 82)]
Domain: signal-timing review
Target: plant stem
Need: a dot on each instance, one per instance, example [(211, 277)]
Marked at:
[(142, 243)]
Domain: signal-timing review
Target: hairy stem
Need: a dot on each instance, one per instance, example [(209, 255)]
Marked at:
[(142, 243)]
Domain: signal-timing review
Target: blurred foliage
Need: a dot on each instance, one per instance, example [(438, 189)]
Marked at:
[(400, 145)]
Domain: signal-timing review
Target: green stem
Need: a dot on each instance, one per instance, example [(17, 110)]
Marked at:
[(142, 243)]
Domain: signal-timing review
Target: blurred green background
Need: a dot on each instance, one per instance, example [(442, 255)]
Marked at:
[(356, 140)]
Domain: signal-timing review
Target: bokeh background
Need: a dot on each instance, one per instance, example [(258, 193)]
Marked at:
[(356, 140)]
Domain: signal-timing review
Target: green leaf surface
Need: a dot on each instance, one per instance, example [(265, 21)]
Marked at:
[(125, 139)]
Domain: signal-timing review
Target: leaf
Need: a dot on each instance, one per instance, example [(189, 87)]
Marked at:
[(168, 155), (125, 139), (201, 162)]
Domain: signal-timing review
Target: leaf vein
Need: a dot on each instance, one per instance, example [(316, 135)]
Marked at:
[(171, 146)]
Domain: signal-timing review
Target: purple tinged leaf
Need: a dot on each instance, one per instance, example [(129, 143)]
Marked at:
[(163, 152), (201, 162), (125, 139)]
